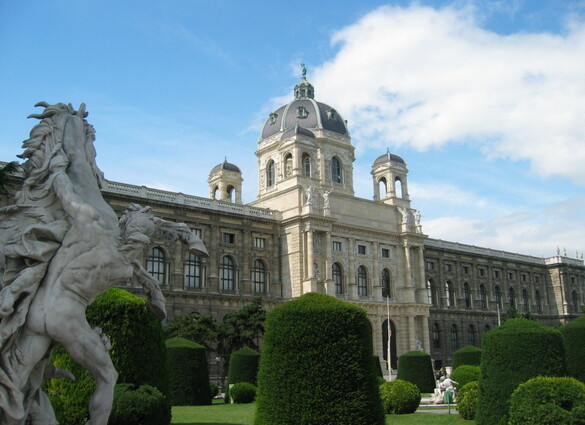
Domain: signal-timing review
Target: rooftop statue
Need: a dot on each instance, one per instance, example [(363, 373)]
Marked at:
[(61, 245)]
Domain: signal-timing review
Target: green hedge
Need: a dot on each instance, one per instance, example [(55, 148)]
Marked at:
[(465, 374), (399, 397), (139, 405), (513, 353), (69, 398), (574, 340), (546, 401), (243, 392), (188, 373), (244, 366), (416, 367), (467, 399), (138, 353), (138, 349), (468, 355), (378, 366), (316, 365)]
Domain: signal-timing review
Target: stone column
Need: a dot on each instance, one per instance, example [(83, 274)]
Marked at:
[(411, 334)]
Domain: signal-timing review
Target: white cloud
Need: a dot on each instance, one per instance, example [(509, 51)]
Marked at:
[(529, 232), (424, 77)]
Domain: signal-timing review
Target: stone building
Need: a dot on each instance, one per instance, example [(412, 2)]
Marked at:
[(307, 232)]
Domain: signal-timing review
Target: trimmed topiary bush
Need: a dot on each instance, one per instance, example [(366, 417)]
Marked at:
[(465, 374), (546, 401), (244, 366), (416, 367), (513, 353), (399, 397), (316, 365), (378, 366), (574, 340), (467, 398), (138, 353), (138, 349), (243, 392), (139, 405), (468, 355), (69, 398), (188, 373)]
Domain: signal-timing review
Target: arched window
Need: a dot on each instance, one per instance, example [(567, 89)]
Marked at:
[(288, 165), (270, 174), (398, 189), (193, 272), (512, 297), (362, 281), (337, 278), (436, 335), (227, 274), (482, 297), (431, 293), (382, 187), (498, 296), (525, 301), (486, 328), (450, 294), (231, 193), (386, 285), (467, 295), (471, 335), (214, 192), (306, 165), (157, 265), (538, 301), (454, 337), (575, 299), (336, 170), (259, 277)]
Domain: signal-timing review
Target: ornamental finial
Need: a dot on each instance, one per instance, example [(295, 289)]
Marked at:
[(303, 70)]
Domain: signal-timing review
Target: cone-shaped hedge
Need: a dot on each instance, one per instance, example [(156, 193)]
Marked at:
[(468, 355), (316, 365), (513, 353), (574, 339), (188, 373), (416, 367), (244, 366)]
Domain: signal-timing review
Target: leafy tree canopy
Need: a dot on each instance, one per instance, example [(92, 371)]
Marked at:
[(199, 328)]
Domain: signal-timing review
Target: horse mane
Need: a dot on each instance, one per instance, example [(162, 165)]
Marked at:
[(44, 146)]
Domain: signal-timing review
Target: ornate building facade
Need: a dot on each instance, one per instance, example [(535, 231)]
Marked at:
[(307, 232)]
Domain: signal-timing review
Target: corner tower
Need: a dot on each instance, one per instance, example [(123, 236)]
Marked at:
[(225, 182), (389, 174)]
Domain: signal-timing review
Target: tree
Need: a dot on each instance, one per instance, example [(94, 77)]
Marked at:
[(198, 328), (8, 169), (242, 328)]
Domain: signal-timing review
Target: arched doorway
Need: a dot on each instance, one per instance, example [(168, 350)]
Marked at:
[(394, 361)]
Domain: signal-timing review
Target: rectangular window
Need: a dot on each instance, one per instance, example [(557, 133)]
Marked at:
[(385, 253), (482, 272), (430, 266), (197, 232), (510, 276), (524, 277), (337, 246), (465, 270), (362, 249), (260, 243), (496, 274), (448, 267), (229, 238)]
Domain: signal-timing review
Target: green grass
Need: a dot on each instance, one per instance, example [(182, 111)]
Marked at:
[(243, 414)]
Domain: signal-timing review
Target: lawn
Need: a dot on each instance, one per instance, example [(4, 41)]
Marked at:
[(243, 414)]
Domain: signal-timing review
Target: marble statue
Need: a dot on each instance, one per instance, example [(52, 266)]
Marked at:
[(61, 245)]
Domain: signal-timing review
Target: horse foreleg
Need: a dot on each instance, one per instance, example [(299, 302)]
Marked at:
[(156, 299)]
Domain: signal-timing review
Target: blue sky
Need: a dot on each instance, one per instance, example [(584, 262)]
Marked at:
[(483, 99)]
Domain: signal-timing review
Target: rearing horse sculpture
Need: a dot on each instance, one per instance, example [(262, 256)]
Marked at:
[(61, 246)]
